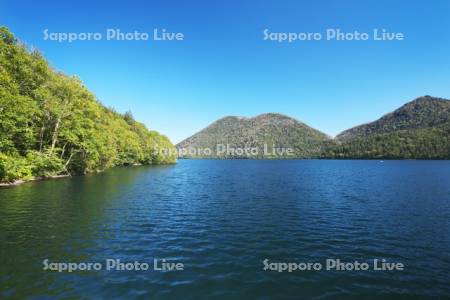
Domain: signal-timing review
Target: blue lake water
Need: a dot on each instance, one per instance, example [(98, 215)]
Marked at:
[(222, 219)]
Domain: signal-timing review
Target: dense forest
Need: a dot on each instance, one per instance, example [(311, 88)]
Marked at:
[(420, 129), (50, 124), (257, 132), (424, 143)]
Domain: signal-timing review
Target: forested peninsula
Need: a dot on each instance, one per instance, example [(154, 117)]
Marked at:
[(52, 125)]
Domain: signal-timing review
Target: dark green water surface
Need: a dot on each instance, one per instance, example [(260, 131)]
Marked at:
[(222, 219)]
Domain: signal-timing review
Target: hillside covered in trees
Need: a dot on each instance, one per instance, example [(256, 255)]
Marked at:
[(419, 129), (50, 124), (262, 131)]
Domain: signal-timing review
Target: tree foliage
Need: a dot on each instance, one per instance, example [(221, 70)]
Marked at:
[(422, 143), (420, 129), (51, 124)]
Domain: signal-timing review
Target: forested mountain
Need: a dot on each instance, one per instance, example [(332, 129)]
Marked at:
[(270, 130), (50, 124), (419, 129), (423, 112)]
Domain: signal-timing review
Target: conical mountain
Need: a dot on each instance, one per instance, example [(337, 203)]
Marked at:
[(263, 132)]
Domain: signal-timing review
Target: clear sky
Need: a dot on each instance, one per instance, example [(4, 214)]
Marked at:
[(224, 67)]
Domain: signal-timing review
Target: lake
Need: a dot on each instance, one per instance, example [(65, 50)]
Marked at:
[(222, 219)]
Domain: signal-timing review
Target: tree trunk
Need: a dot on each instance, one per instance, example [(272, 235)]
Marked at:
[(41, 138), (63, 150), (68, 162), (55, 136)]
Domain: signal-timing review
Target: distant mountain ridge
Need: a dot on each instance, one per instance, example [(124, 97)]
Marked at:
[(420, 129), (422, 112), (266, 130)]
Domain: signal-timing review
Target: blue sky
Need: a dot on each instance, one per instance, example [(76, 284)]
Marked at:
[(224, 67)]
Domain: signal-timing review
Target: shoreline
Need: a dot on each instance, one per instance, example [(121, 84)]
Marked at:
[(22, 181), (309, 158)]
